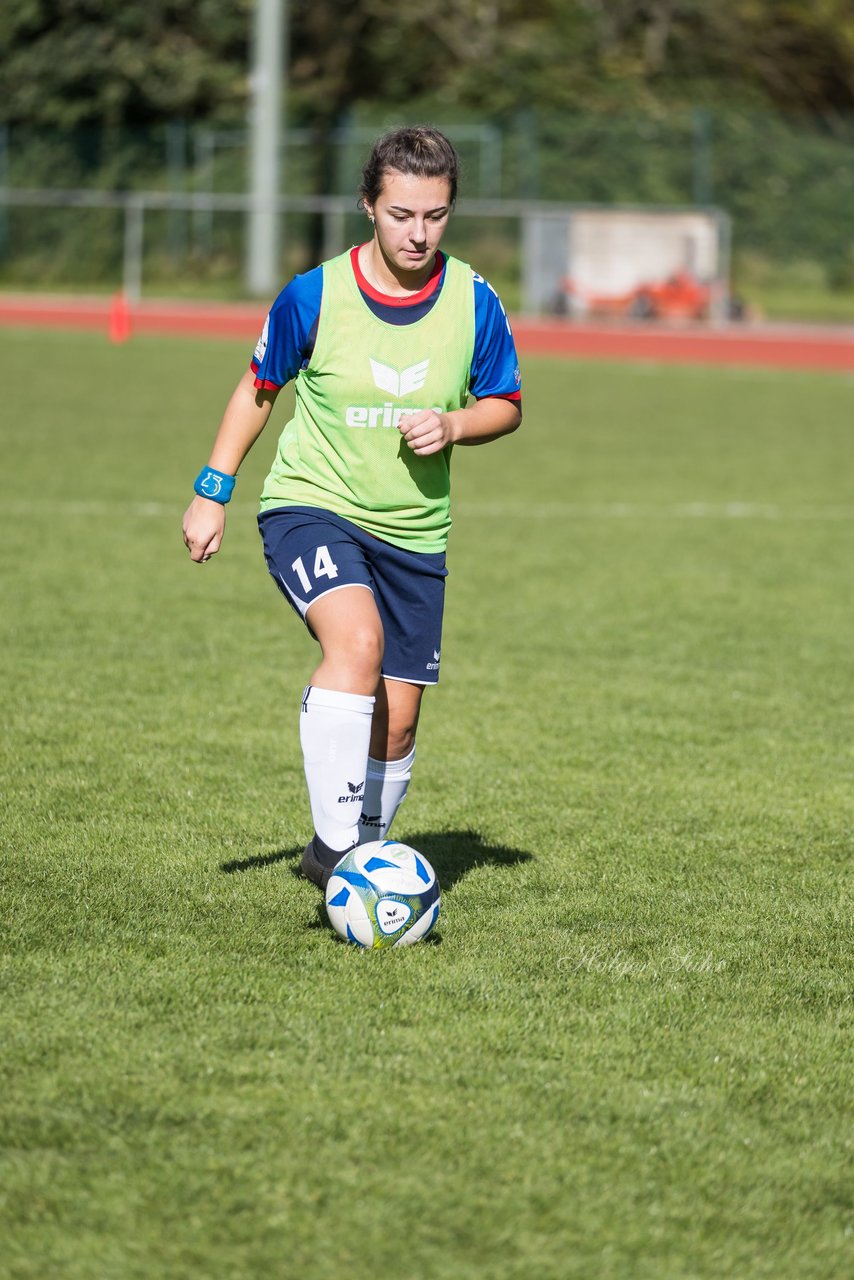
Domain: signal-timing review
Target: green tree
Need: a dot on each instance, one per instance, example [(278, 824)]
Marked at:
[(84, 62), (70, 62)]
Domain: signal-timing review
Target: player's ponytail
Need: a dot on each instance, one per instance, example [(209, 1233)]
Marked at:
[(416, 149)]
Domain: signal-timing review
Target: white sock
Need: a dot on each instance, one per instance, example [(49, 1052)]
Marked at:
[(335, 733), (386, 785)]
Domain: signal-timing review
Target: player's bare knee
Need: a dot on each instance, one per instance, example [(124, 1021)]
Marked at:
[(400, 738), (365, 652)]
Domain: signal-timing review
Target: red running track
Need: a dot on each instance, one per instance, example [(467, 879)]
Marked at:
[(769, 346)]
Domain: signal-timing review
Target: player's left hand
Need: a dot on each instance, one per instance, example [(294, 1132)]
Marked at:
[(426, 431)]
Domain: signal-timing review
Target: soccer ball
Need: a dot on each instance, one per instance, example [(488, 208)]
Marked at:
[(383, 894)]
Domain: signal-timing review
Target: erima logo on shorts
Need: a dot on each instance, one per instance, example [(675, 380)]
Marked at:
[(395, 382), (434, 665)]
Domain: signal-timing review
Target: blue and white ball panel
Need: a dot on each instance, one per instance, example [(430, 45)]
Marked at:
[(348, 912), (394, 867), (383, 894), (422, 926)]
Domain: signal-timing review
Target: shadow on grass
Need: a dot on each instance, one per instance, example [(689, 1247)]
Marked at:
[(452, 853), (262, 860)]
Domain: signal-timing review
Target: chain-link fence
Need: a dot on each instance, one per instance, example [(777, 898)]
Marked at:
[(787, 184)]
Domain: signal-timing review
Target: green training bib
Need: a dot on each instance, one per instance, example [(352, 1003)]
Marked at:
[(342, 450)]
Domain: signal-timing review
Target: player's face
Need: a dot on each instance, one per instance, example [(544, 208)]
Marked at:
[(410, 216)]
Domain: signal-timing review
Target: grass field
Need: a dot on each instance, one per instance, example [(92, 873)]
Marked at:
[(628, 1054)]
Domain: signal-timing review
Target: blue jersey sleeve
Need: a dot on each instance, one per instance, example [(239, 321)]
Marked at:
[(495, 365), (289, 331)]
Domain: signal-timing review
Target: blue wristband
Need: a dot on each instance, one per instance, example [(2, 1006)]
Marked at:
[(215, 485)]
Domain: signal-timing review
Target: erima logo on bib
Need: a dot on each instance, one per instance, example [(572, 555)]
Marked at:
[(395, 382)]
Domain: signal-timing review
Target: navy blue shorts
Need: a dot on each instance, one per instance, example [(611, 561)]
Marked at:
[(311, 552)]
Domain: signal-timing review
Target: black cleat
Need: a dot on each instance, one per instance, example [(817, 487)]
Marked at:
[(319, 861)]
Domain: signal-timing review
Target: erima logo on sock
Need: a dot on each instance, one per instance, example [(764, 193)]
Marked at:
[(355, 793), (397, 383)]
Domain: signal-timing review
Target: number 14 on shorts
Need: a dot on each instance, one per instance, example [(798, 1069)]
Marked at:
[(324, 567)]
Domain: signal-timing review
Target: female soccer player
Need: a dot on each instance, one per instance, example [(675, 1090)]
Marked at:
[(386, 343)]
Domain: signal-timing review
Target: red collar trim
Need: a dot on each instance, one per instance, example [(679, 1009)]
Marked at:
[(394, 301)]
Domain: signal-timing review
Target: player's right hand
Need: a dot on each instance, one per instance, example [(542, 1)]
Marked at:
[(203, 528)]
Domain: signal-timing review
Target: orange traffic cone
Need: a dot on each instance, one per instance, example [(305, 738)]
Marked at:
[(119, 321)]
